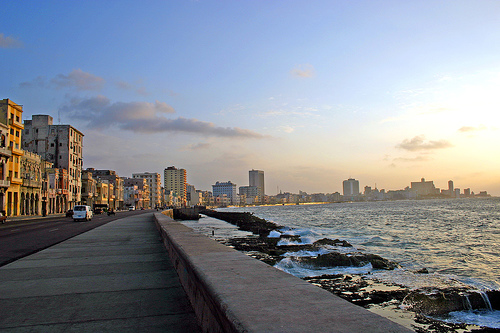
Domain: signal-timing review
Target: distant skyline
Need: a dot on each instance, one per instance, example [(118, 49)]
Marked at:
[(310, 92)]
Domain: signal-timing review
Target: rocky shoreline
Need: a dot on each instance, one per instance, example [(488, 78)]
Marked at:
[(419, 305)]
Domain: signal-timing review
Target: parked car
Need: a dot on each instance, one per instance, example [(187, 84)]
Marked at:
[(3, 217), (97, 211), (131, 208), (82, 212), (69, 213)]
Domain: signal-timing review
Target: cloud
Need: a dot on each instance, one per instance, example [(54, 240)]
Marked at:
[(418, 143), (412, 159), (303, 71), (466, 129), (198, 146), (9, 42), (78, 79), (128, 86), (144, 117)]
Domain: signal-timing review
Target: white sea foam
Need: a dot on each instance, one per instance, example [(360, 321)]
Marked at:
[(274, 234), (476, 317), (302, 270)]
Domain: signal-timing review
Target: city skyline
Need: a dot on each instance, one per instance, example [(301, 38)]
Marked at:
[(311, 93)]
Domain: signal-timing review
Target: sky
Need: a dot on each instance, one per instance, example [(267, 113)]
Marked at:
[(311, 92)]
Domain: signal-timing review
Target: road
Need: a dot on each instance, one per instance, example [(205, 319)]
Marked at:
[(21, 238)]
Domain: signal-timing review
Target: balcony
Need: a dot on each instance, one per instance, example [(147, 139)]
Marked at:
[(16, 150), (16, 181), (4, 183), (5, 151), (32, 183), (16, 124)]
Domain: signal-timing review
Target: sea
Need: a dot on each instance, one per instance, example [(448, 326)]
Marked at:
[(456, 240)]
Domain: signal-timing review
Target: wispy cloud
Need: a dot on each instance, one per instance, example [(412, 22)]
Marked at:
[(9, 42), (132, 87), (76, 79), (198, 146), (469, 129), (144, 117), (420, 158), (303, 71), (419, 143)]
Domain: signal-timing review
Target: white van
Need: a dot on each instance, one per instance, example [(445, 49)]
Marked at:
[(82, 213)]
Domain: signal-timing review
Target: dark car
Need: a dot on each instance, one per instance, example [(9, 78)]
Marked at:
[(69, 213), (97, 210)]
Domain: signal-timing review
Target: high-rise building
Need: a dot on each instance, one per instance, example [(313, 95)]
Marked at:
[(154, 181), (228, 189), (256, 178), (424, 188), (11, 115), (175, 182), (58, 144), (350, 188)]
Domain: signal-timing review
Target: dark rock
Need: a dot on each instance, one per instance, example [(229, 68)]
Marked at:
[(334, 242), (341, 259)]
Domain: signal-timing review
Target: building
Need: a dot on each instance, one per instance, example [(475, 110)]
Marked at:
[(250, 194), (193, 197), (424, 188), (61, 145), (175, 184), (141, 192), (228, 189), (11, 115), (5, 154), (154, 183), (350, 188), (57, 191), (89, 189), (31, 188), (256, 178), (116, 197)]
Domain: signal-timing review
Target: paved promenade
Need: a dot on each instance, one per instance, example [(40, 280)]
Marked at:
[(115, 278)]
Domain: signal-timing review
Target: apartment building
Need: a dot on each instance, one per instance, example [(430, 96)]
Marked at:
[(5, 154), (116, 196), (11, 115), (175, 183), (140, 189), (61, 145), (154, 182)]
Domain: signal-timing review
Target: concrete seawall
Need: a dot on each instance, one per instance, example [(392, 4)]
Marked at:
[(232, 292)]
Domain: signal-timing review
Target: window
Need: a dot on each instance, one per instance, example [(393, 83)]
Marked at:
[(52, 144), (27, 131), (17, 133)]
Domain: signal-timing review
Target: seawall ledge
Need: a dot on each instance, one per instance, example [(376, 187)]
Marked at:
[(232, 292)]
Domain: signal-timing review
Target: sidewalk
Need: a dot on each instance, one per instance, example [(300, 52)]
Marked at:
[(115, 278)]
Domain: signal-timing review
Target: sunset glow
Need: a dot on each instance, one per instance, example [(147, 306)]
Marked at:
[(312, 93)]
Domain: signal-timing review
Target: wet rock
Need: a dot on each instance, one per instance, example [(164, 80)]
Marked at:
[(436, 302), (334, 242), (334, 259)]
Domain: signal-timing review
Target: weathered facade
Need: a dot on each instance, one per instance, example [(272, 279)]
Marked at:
[(31, 188), (61, 145), (5, 155), (141, 195), (11, 115), (57, 192), (154, 183), (116, 196)]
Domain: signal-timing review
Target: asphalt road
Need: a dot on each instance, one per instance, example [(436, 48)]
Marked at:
[(21, 238)]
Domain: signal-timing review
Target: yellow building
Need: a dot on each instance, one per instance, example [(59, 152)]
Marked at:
[(11, 115)]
